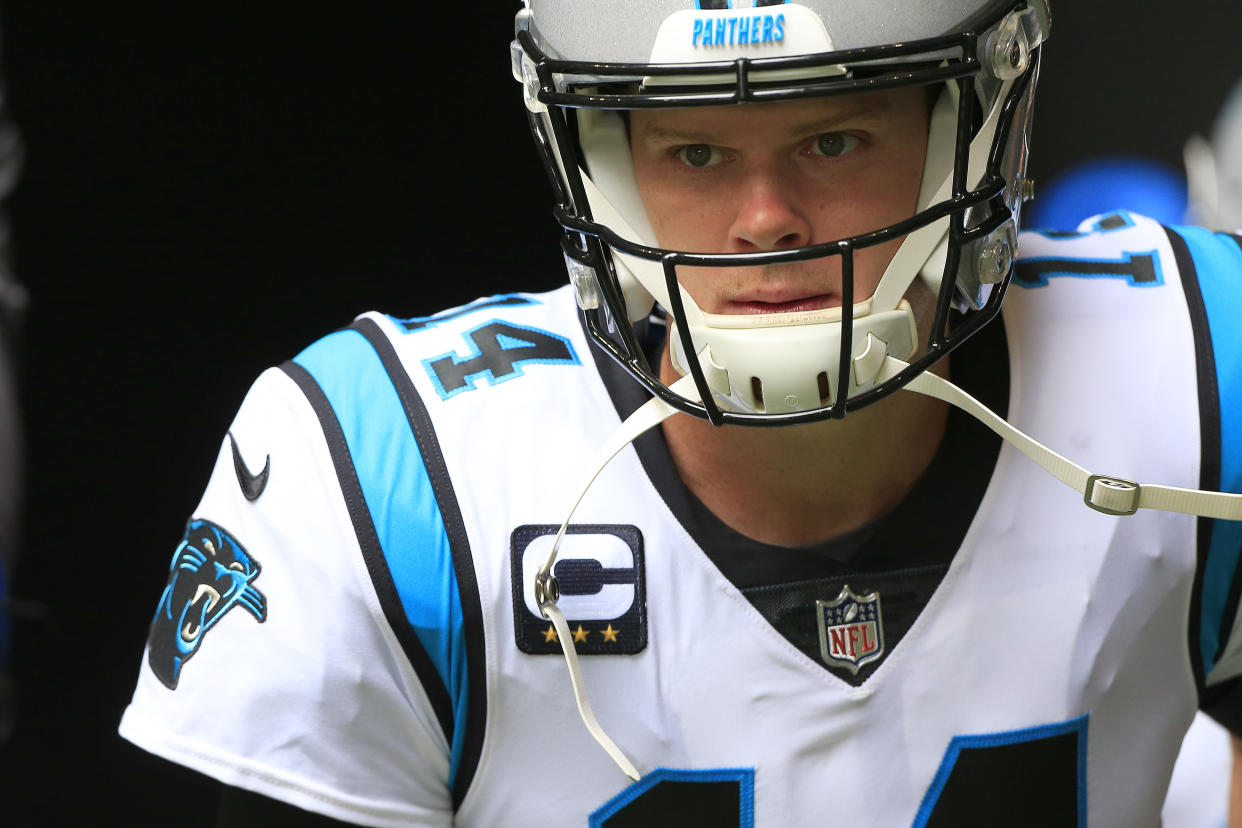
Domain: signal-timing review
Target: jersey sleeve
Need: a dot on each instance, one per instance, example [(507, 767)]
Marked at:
[(1211, 269), (271, 663)]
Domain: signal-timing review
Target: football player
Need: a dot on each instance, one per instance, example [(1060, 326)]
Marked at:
[(769, 497), (1214, 168)]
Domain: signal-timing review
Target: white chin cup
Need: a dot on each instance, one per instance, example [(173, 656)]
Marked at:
[(790, 368)]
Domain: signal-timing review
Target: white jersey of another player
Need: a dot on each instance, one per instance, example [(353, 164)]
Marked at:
[(350, 624)]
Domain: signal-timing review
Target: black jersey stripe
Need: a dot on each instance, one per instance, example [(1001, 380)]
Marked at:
[(372, 554), (1209, 438), (1235, 589), (459, 544)]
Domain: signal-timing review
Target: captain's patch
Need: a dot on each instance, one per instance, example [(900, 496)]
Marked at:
[(210, 574), (600, 573)]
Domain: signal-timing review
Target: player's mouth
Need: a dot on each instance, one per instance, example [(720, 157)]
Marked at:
[(782, 304)]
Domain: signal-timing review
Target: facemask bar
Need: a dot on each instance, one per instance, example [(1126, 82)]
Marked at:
[(988, 195), (585, 241), (600, 236), (953, 56)]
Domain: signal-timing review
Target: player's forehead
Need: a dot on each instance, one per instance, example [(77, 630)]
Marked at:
[(796, 118)]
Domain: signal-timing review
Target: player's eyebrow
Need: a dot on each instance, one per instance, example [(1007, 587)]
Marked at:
[(662, 133), (855, 110), (858, 110)]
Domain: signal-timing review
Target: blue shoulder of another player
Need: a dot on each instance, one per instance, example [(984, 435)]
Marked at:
[(1134, 250), (1211, 269), (1211, 265), (406, 517), (1139, 252)]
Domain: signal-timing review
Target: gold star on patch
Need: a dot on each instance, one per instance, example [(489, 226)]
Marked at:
[(610, 634), (580, 634), (549, 635)]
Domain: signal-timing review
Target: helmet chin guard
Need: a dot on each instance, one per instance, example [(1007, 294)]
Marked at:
[(782, 368)]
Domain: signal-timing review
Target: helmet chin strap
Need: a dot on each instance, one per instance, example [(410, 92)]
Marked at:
[(547, 591), (1107, 494)]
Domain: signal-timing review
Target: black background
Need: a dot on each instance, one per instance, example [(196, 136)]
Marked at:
[(207, 193)]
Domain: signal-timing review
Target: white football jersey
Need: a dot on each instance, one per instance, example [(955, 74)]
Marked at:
[(353, 600)]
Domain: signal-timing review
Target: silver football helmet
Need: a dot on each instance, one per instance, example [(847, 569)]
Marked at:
[(584, 64)]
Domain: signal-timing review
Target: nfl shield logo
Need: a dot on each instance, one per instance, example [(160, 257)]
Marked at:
[(851, 633)]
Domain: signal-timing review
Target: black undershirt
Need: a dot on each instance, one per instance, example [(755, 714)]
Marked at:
[(925, 528)]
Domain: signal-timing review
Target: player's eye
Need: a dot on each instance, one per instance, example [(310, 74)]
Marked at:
[(834, 144), (699, 155)]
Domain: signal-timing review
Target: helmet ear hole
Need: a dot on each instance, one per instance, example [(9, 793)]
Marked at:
[(756, 390), (825, 392)]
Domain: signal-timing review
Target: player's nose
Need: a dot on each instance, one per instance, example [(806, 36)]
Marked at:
[(769, 216)]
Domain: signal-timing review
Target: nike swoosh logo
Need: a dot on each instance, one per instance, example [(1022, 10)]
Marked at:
[(252, 485)]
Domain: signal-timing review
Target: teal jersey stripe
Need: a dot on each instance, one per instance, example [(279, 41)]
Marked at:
[(401, 503), (1218, 263)]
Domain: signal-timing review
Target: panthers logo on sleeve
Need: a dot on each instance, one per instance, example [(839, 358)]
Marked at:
[(210, 574)]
